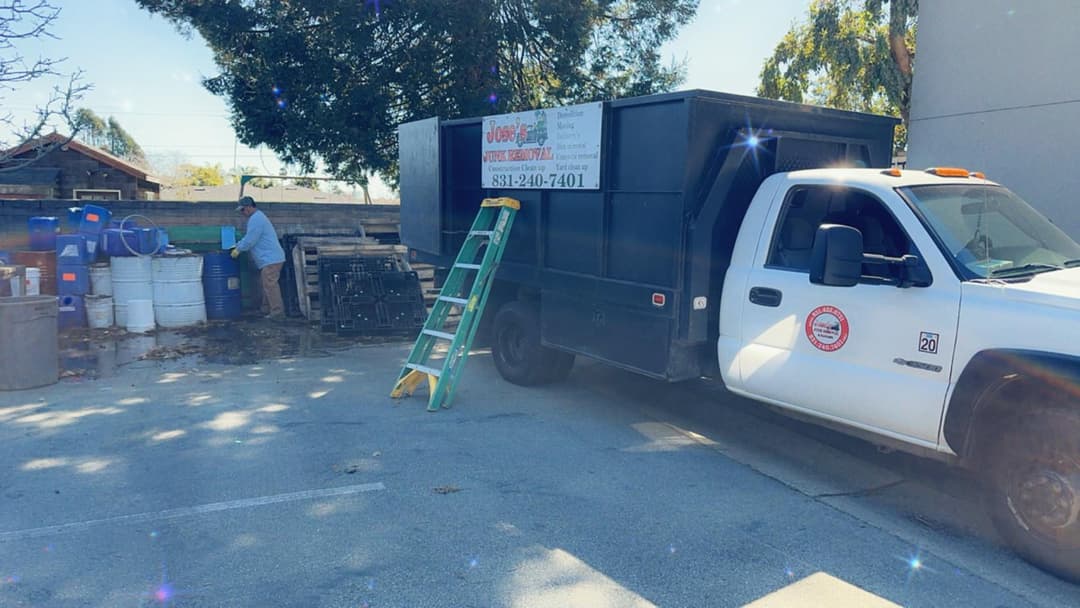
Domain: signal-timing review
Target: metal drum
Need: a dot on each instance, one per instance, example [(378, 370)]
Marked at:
[(178, 290), (132, 279), (221, 286)]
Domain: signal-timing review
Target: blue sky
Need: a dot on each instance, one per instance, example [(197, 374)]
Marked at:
[(147, 75)]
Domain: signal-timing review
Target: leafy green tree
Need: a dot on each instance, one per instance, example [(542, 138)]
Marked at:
[(108, 135), (258, 182), (331, 80), (91, 128), (306, 182), (200, 175), (848, 54)]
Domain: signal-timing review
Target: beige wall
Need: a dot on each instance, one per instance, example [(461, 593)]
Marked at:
[(997, 89)]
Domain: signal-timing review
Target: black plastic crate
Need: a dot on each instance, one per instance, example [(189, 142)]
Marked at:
[(380, 318), (358, 264), (357, 302)]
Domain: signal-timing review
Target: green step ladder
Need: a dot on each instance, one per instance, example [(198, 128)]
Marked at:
[(491, 227)]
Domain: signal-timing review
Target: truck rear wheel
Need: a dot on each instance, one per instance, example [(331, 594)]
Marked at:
[(516, 348), (1034, 488)]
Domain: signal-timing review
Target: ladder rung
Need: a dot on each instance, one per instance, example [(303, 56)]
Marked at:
[(453, 300), (468, 266), (424, 369), (486, 233), (438, 334)]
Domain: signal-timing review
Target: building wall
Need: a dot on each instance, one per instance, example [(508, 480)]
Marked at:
[(80, 172), (996, 90), (288, 218)]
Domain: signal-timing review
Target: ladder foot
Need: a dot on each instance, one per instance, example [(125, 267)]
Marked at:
[(408, 384)]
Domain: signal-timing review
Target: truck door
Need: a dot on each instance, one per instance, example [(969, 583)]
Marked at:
[(875, 355)]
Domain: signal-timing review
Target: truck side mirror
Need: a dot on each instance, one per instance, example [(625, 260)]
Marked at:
[(837, 256)]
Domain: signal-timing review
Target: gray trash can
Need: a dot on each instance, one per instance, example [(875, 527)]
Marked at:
[(28, 342)]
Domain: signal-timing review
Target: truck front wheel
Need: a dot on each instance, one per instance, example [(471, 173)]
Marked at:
[(516, 348), (1034, 488)]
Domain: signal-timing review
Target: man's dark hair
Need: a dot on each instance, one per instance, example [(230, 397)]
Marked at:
[(247, 201)]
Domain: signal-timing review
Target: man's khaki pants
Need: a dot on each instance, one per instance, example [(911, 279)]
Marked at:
[(271, 290)]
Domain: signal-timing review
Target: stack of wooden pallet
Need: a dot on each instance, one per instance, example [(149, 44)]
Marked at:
[(305, 259)]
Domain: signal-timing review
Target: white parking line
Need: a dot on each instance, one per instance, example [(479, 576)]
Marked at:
[(213, 507)]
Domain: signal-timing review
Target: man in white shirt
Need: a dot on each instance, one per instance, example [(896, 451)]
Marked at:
[(262, 241)]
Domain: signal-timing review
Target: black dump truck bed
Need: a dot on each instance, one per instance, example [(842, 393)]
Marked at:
[(616, 269)]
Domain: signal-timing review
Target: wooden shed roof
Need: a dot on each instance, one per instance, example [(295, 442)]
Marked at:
[(56, 139)]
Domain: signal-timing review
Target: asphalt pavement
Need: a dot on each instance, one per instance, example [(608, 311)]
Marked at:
[(298, 482)]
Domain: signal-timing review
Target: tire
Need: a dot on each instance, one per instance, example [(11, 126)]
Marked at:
[(1033, 488), (515, 345)]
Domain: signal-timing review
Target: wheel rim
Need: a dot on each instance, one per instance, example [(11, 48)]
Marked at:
[(1045, 499), (512, 344)]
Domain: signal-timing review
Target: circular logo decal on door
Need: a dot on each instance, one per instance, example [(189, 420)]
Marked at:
[(827, 328)]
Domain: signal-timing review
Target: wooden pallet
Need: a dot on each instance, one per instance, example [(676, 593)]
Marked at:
[(305, 258)]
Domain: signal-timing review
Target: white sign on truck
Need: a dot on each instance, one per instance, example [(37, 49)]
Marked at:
[(556, 148)]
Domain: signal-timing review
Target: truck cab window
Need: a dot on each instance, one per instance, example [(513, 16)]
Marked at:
[(809, 207)]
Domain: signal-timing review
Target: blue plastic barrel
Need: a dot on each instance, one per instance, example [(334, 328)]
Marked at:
[(43, 231), (72, 312), (221, 286), (147, 240), (112, 242), (71, 249), (72, 279), (74, 218), (94, 219)]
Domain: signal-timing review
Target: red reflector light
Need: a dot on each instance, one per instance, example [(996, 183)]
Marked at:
[(659, 299)]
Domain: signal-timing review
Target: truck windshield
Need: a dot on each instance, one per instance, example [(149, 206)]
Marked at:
[(991, 232)]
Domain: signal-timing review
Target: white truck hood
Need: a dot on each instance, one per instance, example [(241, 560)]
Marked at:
[(1058, 288)]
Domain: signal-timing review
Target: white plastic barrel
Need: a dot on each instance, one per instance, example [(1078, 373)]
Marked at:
[(178, 290), (131, 280), (33, 281), (101, 280), (99, 311), (139, 315)]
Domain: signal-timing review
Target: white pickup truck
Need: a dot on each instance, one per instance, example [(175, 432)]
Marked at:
[(699, 233), (935, 312)]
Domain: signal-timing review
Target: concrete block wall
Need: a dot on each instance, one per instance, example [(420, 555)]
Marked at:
[(288, 218)]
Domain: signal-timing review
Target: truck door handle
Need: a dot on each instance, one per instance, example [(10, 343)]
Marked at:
[(766, 296)]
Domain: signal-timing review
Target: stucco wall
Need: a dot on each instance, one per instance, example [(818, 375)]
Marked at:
[(997, 90)]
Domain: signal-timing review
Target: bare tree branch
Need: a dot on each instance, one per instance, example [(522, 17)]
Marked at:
[(22, 21)]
